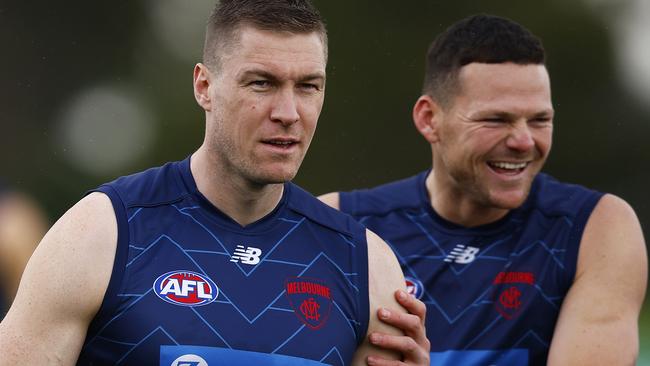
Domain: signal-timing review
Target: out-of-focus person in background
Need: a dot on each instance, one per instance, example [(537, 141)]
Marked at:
[(219, 258), (22, 225), (515, 267)]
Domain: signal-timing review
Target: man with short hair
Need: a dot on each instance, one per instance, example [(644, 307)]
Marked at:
[(218, 259), (515, 267)]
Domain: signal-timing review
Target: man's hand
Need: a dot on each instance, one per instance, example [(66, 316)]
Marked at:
[(414, 345)]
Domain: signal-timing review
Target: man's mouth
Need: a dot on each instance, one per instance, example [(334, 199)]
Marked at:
[(503, 167), (281, 143)]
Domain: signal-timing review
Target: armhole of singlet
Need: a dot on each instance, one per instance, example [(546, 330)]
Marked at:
[(348, 203), (110, 301), (578, 230), (364, 295)]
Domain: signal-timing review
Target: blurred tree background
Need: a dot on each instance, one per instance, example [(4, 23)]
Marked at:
[(94, 90)]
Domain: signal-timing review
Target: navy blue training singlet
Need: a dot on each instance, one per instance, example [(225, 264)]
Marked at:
[(191, 287), (493, 292)]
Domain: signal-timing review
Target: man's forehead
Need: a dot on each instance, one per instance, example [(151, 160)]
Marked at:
[(492, 79), (278, 54), (505, 87), (503, 70), (250, 41)]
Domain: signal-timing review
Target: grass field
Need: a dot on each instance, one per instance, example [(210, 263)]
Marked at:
[(644, 331)]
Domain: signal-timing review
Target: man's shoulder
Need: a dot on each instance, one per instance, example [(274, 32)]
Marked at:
[(315, 210), (407, 193), (152, 186), (561, 198)]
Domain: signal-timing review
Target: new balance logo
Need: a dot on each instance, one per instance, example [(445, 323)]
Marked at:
[(248, 255), (462, 254)]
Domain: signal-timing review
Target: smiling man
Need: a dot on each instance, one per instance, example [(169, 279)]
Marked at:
[(218, 259), (515, 267)]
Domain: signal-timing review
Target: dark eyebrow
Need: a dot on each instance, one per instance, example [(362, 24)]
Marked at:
[(501, 114), (544, 114), (506, 115), (318, 76), (492, 114), (313, 77), (258, 73)]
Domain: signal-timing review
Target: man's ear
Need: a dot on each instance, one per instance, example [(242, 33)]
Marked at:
[(426, 116), (202, 82)]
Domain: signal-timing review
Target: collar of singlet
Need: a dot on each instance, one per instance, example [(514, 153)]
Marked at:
[(218, 217)]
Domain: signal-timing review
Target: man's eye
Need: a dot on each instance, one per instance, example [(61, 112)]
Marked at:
[(260, 84), (309, 87), (541, 119), (494, 120)]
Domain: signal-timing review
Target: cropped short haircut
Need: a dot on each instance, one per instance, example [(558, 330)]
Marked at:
[(478, 38), (229, 16)]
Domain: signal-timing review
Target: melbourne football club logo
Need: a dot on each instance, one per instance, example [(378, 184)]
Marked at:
[(512, 291), (414, 287), (311, 300), (185, 288)]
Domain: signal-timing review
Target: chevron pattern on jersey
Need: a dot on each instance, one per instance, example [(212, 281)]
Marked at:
[(251, 267), (489, 288)]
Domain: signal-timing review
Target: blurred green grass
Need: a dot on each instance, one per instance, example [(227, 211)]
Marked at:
[(644, 335)]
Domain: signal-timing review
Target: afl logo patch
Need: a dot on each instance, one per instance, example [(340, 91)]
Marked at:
[(414, 287), (185, 288)]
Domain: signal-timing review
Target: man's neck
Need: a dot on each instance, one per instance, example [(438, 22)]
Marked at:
[(458, 207), (242, 201)]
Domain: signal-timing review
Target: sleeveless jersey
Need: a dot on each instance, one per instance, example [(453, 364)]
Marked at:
[(191, 287), (493, 292)]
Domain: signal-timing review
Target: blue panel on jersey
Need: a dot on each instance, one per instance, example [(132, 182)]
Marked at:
[(213, 356), (482, 358)]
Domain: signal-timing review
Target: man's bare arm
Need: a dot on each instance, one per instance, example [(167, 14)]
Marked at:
[(413, 343), (598, 322), (22, 226), (384, 276), (62, 287)]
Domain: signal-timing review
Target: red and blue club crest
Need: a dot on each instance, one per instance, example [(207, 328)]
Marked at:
[(512, 292), (311, 300), (186, 288)]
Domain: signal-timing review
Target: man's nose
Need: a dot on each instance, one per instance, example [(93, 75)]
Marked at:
[(285, 107), (520, 137)]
